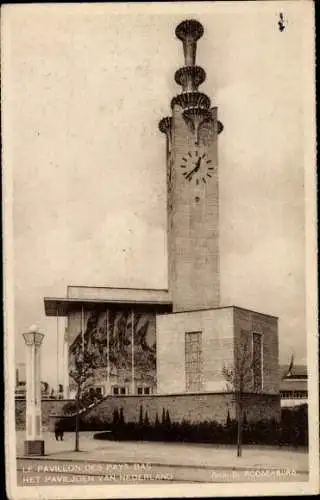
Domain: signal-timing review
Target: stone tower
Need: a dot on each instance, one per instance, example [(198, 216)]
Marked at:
[(192, 184)]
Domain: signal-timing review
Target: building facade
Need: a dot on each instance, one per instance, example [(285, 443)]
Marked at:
[(293, 385), (194, 349), (180, 340)]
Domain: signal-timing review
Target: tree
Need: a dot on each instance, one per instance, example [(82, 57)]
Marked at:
[(163, 419), (141, 416), (157, 422), (146, 419), (168, 420), (81, 372), (239, 378), (228, 423), (115, 417), (121, 416), (245, 420)]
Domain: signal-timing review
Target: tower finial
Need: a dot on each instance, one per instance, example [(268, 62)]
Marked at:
[(189, 32)]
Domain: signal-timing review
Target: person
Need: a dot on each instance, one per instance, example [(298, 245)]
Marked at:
[(58, 432)]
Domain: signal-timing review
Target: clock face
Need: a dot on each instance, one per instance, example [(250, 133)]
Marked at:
[(197, 167)]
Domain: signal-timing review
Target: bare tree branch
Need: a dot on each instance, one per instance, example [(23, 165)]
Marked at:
[(240, 377)]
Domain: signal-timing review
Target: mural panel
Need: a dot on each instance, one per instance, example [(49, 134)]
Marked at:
[(122, 343)]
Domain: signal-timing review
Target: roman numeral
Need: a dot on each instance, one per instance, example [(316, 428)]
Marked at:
[(209, 161), (183, 166), (189, 154), (184, 159), (208, 175), (204, 180), (210, 168)]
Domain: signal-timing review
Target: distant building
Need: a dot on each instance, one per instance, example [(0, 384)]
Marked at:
[(293, 385), (20, 373), (21, 390)]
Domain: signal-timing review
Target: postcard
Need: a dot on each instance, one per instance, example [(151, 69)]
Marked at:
[(160, 284)]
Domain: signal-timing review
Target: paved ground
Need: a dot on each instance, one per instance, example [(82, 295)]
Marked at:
[(112, 461)]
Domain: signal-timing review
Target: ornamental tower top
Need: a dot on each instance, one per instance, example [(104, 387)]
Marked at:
[(190, 76)]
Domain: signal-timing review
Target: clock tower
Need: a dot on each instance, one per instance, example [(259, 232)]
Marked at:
[(192, 185)]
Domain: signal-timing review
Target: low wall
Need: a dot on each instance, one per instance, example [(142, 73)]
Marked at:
[(262, 407), (48, 406), (190, 407)]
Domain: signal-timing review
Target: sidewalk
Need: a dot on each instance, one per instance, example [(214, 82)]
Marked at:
[(173, 454)]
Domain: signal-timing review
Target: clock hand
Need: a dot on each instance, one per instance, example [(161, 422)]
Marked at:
[(196, 168), (198, 164), (190, 174)]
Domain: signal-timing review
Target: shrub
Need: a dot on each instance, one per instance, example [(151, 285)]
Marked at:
[(294, 426), (157, 422), (167, 419), (163, 419), (228, 422), (121, 417), (115, 416), (141, 415), (146, 419), (292, 430)]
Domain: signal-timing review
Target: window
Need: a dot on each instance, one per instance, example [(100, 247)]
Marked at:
[(193, 361), (144, 391), (116, 391), (257, 361), (300, 394), (294, 394)]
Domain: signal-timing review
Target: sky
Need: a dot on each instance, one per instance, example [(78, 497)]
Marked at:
[(85, 87)]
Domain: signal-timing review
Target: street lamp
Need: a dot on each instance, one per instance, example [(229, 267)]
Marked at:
[(34, 444)]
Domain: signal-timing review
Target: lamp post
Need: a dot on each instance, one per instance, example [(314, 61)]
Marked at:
[(34, 444)]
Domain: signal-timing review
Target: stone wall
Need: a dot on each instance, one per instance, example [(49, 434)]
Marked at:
[(190, 407), (262, 407), (49, 407)]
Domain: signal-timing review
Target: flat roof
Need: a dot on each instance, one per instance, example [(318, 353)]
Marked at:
[(293, 385), (224, 307), (117, 293), (78, 297), (299, 371)]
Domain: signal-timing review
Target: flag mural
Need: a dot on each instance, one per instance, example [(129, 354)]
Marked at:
[(123, 345)]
